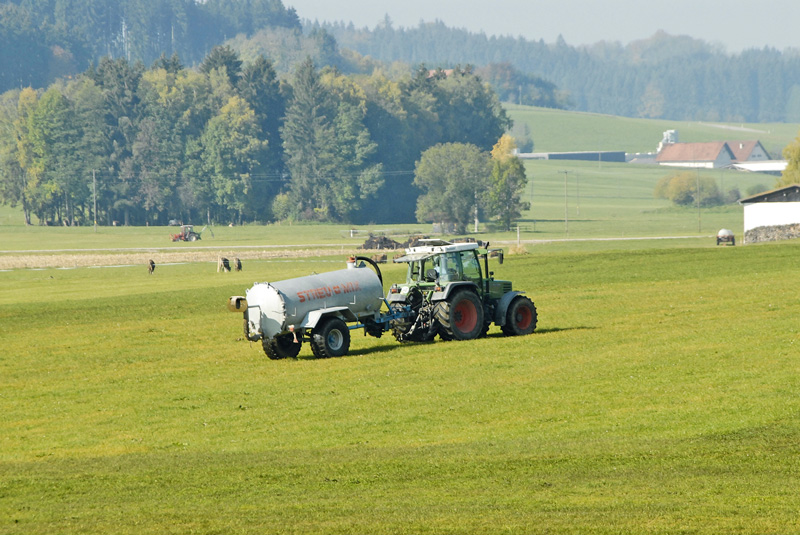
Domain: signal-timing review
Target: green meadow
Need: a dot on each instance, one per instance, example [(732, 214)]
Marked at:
[(658, 395)]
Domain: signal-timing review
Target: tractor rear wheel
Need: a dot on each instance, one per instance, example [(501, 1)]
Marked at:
[(281, 347), (330, 339), (460, 317), (521, 317)]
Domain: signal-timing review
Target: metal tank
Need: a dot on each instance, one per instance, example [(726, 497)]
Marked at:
[(296, 305)]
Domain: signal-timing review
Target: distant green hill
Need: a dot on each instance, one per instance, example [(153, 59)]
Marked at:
[(560, 130)]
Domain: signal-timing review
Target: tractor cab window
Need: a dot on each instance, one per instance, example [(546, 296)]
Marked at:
[(471, 267), (448, 266), (414, 271)]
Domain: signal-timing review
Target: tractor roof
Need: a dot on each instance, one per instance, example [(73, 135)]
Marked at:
[(433, 247)]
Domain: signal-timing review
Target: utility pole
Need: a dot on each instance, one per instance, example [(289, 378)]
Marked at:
[(94, 197), (566, 205)]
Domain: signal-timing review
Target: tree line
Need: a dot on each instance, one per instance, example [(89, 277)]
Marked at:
[(41, 40), (230, 142), (665, 77)]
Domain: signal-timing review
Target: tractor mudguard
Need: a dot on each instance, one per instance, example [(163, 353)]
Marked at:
[(313, 318), (447, 290), (502, 307)]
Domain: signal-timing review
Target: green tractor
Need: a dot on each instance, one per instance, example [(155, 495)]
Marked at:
[(450, 291)]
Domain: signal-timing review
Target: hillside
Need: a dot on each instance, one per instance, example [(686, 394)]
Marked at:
[(561, 130)]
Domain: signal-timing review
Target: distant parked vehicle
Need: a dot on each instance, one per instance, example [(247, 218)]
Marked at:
[(726, 236)]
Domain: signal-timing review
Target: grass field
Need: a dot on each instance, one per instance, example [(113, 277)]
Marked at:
[(659, 395), (560, 130)]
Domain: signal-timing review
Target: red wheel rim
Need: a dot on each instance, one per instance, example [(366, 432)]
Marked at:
[(466, 316), (523, 318)]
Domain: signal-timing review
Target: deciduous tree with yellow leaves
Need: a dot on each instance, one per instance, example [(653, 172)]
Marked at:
[(503, 197)]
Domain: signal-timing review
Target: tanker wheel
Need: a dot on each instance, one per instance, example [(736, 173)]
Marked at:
[(460, 317), (521, 317), (281, 347), (330, 339)]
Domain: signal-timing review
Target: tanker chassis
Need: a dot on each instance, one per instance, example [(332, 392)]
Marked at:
[(447, 293)]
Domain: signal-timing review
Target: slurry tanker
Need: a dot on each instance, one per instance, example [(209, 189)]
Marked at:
[(449, 291)]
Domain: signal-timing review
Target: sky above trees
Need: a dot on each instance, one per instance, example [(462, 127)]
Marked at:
[(734, 24)]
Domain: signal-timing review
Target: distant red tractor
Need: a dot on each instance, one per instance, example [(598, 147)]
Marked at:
[(187, 234)]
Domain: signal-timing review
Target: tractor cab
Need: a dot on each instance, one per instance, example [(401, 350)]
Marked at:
[(442, 263)]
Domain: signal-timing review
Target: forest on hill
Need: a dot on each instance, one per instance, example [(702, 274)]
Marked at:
[(664, 77), (41, 40)]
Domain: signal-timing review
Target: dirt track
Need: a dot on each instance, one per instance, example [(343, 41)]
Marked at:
[(70, 258), (96, 258)]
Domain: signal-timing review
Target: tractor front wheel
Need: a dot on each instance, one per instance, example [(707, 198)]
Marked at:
[(281, 347), (460, 317), (521, 317), (330, 339)]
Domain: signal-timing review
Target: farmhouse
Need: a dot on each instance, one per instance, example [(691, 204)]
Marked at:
[(772, 215), (710, 155)]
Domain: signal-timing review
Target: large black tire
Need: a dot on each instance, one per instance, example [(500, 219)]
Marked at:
[(331, 338), (281, 347), (460, 317), (521, 317)]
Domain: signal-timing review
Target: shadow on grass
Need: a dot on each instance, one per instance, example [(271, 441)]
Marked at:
[(356, 352), (385, 349), (546, 331)]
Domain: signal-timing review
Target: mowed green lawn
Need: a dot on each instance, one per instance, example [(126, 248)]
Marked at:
[(658, 395)]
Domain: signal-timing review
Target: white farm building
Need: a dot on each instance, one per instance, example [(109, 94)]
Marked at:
[(772, 215)]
